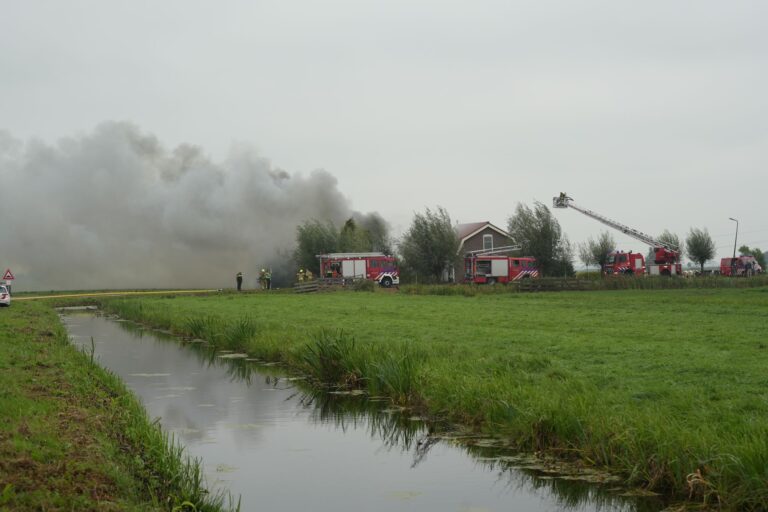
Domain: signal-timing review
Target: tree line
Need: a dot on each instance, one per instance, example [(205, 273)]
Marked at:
[(428, 249)]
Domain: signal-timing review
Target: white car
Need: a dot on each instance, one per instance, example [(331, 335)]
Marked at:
[(5, 297)]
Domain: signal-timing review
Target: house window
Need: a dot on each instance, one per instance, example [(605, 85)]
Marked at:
[(487, 242)]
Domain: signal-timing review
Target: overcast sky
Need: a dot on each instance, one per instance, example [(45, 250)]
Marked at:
[(653, 113)]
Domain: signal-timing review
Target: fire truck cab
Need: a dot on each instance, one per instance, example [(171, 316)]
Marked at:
[(625, 263), (351, 266)]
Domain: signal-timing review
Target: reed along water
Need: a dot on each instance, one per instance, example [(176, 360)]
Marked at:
[(280, 446)]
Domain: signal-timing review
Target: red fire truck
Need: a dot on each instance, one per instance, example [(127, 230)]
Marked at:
[(741, 266), (625, 263), (491, 267), (666, 260), (350, 266)]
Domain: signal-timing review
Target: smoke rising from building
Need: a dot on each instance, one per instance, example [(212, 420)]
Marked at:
[(114, 208)]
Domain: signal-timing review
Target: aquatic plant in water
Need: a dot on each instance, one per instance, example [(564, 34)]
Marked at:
[(328, 357)]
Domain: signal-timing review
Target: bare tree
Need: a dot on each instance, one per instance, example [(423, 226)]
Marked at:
[(585, 255), (597, 251)]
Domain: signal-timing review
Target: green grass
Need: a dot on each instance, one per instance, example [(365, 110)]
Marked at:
[(331, 359), (669, 387), (73, 438), (592, 282)]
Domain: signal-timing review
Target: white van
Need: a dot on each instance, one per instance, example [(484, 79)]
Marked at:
[(5, 297)]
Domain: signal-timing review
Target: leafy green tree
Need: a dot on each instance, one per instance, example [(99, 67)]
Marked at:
[(429, 246), (540, 236), (369, 233), (313, 238), (353, 238), (759, 255), (672, 239), (669, 238), (378, 232), (699, 246), (597, 251)]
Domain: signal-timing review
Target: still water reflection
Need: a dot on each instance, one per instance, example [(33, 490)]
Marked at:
[(282, 448)]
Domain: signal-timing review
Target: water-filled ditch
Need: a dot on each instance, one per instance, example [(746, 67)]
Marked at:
[(282, 447)]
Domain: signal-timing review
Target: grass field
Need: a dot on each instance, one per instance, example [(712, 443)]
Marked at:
[(73, 438), (669, 387)]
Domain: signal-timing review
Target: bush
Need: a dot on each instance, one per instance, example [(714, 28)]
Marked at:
[(364, 285), (592, 275)]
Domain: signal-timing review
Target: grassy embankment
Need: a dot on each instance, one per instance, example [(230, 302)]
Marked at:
[(72, 437), (594, 282), (667, 387)]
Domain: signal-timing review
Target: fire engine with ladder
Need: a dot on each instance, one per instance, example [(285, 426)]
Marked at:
[(491, 266), (666, 257)]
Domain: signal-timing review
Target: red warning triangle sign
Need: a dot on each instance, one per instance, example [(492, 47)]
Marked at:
[(8, 276)]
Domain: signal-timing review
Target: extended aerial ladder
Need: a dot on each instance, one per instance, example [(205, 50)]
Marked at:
[(665, 254), (498, 250)]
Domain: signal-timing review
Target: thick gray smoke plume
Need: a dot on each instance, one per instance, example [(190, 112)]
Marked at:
[(115, 209)]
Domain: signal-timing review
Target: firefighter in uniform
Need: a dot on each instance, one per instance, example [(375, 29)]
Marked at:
[(263, 279), (239, 279), (268, 278), (300, 275)]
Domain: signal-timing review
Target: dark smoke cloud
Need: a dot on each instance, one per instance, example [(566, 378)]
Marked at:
[(114, 208)]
